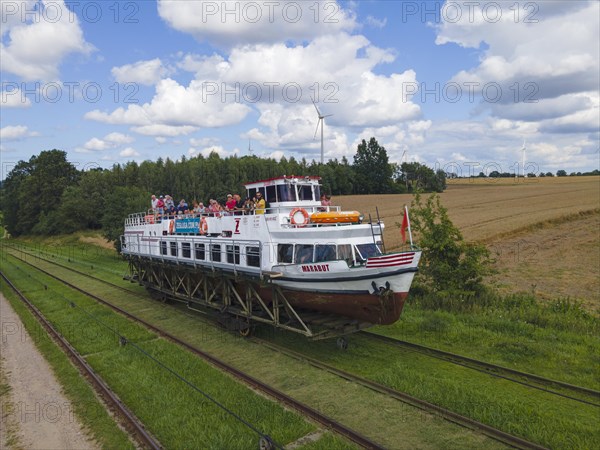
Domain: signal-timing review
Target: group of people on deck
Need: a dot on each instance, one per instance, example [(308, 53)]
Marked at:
[(234, 205)]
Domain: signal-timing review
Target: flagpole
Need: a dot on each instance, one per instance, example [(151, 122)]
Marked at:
[(408, 221)]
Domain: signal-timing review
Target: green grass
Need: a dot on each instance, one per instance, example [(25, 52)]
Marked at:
[(386, 420), (177, 414), (558, 341), (90, 412)]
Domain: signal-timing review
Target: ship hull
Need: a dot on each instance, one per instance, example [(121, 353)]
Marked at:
[(378, 309)]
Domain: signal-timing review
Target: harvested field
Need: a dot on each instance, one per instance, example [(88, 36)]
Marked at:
[(544, 232)]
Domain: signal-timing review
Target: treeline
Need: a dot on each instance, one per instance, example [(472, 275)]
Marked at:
[(559, 173), (47, 195)]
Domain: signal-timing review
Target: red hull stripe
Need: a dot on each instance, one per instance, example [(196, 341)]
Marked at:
[(388, 263), (390, 260)]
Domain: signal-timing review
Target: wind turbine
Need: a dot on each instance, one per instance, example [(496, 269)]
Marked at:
[(320, 122), (523, 150)]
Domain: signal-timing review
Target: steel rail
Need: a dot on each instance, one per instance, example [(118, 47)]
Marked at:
[(491, 369), (101, 387), (467, 422), (281, 397), (474, 364)]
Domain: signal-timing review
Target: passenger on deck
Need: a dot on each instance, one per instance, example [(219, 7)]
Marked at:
[(183, 207), (160, 205), (169, 205), (326, 202), (230, 204), (153, 202), (198, 207), (214, 207), (260, 204), (239, 205), (248, 206)]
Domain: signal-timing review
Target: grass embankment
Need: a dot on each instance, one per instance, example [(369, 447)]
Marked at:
[(179, 416), (85, 405), (557, 341), (384, 420)]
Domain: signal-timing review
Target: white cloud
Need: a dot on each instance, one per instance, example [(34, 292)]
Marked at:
[(239, 23), (13, 132), (164, 130), (218, 149), (33, 50), (14, 99), (128, 153), (109, 141), (142, 72), (175, 109), (553, 61), (118, 138), (376, 23)]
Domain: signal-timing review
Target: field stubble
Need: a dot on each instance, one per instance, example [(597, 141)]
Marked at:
[(544, 233)]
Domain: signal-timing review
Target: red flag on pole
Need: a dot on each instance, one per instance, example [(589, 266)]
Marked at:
[(404, 226)]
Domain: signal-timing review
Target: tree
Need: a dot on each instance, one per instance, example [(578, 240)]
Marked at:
[(33, 190), (417, 176), (372, 169), (123, 201), (449, 265), (561, 173)]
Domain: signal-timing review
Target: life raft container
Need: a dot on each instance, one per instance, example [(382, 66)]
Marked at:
[(335, 217)]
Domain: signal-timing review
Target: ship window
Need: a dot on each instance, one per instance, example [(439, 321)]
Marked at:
[(368, 250), (286, 193), (285, 253), (200, 252), (305, 192), (173, 248), (304, 254), (253, 256), (317, 192), (324, 253), (271, 194), (345, 252), (233, 254), (215, 252), (186, 249), (163, 247)]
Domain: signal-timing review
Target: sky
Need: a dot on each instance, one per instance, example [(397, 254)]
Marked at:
[(460, 86)]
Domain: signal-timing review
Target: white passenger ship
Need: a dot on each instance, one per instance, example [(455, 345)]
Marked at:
[(321, 258)]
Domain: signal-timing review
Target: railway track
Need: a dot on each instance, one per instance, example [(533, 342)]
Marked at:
[(524, 378), (254, 383), (130, 421), (499, 435), (567, 390)]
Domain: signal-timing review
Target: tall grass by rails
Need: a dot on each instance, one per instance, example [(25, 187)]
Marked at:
[(177, 415), (535, 415), (85, 405), (557, 340)]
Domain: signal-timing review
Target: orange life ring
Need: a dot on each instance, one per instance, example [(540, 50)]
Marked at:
[(203, 226), (171, 226), (304, 214)]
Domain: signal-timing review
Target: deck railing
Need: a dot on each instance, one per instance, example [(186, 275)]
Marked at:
[(152, 217)]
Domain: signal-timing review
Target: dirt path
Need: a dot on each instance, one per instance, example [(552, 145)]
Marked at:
[(35, 412)]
